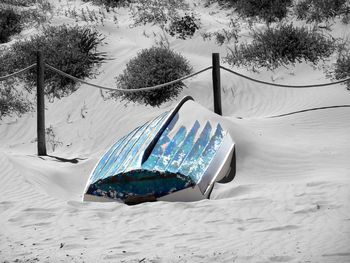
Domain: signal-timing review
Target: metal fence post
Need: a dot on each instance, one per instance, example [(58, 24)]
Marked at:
[(40, 71), (217, 83)]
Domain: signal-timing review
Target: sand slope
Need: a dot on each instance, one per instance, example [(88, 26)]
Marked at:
[(289, 201)]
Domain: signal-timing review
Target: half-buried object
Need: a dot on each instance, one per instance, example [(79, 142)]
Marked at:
[(178, 156)]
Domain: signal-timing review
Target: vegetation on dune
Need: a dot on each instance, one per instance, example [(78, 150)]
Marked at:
[(24, 3), (15, 16), (267, 10), (10, 24), (12, 102), (282, 46), (276, 10), (74, 49), (153, 66), (172, 16), (37, 16), (341, 68), (225, 35), (146, 11), (70, 49), (43, 5), (183, 26), (322, 10), (157, 12), (110, 3)]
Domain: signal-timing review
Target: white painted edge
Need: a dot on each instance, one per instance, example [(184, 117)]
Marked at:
[(220, 166), (190, 194)]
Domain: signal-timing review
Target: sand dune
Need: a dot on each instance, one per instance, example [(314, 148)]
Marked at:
[(289, 201)]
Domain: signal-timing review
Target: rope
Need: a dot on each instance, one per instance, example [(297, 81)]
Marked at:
[(127, 90), (286, 86), (306, 110), (174, 81), (18, 72)]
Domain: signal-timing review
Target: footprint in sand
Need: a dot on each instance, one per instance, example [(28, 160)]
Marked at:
[(280, 228), (281, 258), (39, 224), (5, 205), (307, 209), (339, 254)]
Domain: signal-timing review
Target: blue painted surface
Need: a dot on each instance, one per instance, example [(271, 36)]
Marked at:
[(142, 138), (178, 160), (137, 156), (196, 151), (107, 162), (170, 151), (161, 145), (207, 155), (185, 148)]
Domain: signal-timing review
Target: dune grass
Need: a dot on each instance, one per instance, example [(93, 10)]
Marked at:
[(282, 46)]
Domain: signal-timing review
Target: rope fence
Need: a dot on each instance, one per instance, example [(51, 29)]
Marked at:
[(127, 90), (283, 85), (40, 66), (2, 78), (18, 72)]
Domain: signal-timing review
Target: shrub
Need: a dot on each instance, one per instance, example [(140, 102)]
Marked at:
[(282, 45), (346, 16), (151, 67), (42, 12), (10, 24), (321, 10), (183, 27), (12, 102), (222, 36), (70, 49), (33, 17), (156, 11), (342, 68), (24, 3), (225, 35), (110, 3), (15, 15), (268, 10)]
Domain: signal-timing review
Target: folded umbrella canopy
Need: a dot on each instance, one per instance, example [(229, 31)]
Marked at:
[(178, 156)]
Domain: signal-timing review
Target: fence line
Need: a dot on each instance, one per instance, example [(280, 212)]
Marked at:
[(216, 67), (174, 81), (286, 86), (18, 72), (127, 90)]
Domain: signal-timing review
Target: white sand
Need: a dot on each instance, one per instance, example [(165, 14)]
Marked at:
[(289, 201)]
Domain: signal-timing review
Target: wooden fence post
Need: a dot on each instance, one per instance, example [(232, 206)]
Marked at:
[(40, 71), (217, 84)]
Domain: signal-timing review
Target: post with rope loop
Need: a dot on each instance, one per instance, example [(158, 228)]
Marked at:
[(40, 71), (216, 83)]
